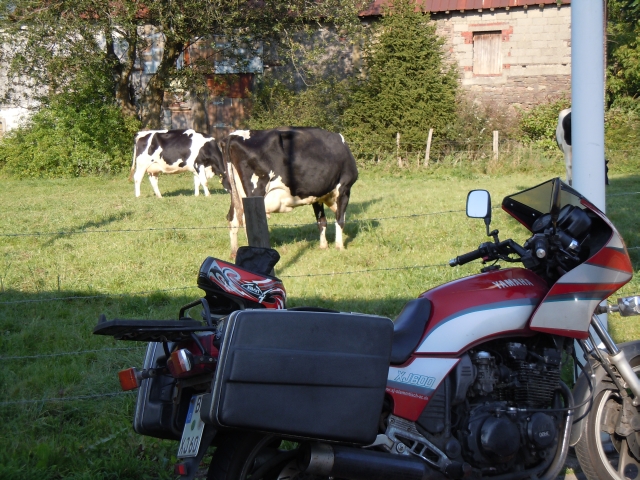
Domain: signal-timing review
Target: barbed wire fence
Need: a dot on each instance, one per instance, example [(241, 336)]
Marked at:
[(435, 150), (141, 348)]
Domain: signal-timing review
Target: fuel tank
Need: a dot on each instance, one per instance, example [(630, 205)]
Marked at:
[(475, 309)]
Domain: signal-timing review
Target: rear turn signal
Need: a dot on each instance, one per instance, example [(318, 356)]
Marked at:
[(129, 379)]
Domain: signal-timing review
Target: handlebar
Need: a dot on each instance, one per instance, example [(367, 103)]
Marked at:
[(491, 250), (468, 257)]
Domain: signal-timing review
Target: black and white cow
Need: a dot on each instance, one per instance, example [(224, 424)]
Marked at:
[(563, 137), (175, 151), (290, 167)]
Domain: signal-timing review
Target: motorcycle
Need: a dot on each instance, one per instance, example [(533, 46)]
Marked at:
[(468, 382)]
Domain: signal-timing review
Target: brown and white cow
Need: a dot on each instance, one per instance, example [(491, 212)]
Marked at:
[(290, 167), (175, 151)]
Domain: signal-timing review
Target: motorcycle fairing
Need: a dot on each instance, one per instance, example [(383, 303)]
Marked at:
[(471, 310), (411, 386), (567, 308)]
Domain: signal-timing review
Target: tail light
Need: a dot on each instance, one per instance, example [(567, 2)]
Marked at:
[(180, 362)]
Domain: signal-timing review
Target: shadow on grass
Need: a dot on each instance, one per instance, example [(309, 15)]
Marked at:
[(64, 378), (281, 235), (358, 208), (91, 224), (189, 192)]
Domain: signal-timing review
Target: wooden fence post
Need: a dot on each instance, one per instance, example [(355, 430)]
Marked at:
[(427, 151), (495, 145), (256, 224), (398, 150)]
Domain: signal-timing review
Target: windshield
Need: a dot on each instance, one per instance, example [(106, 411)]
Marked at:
[(529, 205)]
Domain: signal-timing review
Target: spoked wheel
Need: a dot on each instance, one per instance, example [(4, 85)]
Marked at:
[(602, 453), (242, 456)]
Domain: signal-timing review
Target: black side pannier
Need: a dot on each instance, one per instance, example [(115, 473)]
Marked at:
[(155, 413), (304, 374)]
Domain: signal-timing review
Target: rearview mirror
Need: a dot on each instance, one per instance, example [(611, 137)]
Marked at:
[(479, 204), (629, 306)]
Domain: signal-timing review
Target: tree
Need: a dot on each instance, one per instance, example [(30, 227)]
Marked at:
[(406, 85), (50, 46), (623, 48)]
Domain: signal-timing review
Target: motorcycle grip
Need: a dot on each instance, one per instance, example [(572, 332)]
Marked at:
[(466, 258)]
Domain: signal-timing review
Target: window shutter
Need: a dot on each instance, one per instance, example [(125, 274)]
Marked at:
[(487, 55)]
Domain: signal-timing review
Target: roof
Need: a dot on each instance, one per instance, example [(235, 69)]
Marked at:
[(434, 6)]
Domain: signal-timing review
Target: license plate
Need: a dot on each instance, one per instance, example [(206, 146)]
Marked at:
[(193, 428)]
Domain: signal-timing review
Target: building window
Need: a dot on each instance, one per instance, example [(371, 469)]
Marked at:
[(487, 55)]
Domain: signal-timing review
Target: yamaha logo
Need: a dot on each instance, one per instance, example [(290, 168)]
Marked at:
[(513, 282)]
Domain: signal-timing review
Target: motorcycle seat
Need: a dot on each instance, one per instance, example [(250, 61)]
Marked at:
[(408, 329)]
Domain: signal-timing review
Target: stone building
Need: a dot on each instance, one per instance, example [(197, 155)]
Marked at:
[(511, 52)]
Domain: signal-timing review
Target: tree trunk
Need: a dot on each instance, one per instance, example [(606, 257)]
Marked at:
[(122, 70), (154, 94)]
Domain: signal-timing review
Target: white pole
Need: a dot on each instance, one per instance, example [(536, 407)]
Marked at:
[(587, 101)]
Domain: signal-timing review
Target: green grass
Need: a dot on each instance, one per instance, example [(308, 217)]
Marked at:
[(93, 438)]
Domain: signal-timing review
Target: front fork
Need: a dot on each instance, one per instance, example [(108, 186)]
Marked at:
[(612, 356)]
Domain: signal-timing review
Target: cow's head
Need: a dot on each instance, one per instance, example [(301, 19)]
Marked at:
[(224, 180)]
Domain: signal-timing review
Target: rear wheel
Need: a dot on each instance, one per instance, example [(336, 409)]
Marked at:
[(256, 456), (602, 453)]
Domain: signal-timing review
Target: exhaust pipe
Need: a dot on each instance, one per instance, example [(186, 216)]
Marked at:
[(359, 464)]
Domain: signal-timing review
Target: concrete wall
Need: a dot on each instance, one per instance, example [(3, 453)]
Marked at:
[(535, 49)]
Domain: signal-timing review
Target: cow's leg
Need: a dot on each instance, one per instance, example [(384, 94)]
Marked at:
[(196, 183), (137, 179), (233, 230), (568, 165), (203, 182), (236, 220), (318, 210), (340, 211), (201, 179), (153, 179)]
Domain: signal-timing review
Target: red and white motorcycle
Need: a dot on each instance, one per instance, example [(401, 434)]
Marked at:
[(466, 383)]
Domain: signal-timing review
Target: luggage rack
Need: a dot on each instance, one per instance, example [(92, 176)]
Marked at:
[(150, 330)]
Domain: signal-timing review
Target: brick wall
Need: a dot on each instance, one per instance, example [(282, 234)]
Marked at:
[(535, 52)]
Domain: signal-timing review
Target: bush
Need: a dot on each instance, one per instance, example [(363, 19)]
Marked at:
[(622, 136), (475, 122), (74, 134), (320, 105), (539, 124)]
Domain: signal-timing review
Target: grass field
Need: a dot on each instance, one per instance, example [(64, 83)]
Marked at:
[(138, 258)]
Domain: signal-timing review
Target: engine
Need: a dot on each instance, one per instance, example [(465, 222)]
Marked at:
[(505, 419), (496, 409)]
